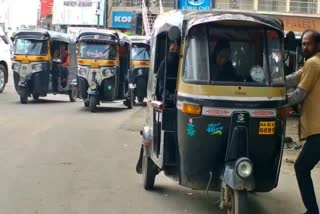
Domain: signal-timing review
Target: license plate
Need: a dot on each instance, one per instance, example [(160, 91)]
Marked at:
[(267, 128)]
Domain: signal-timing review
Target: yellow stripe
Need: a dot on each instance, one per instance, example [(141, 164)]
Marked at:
[(137, 63), (30, 58), (97, 63), (231, 91)]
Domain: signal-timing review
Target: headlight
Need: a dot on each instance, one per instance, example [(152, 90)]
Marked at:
[(15, 66), (82, 71), (107, 72), (36, 67), (140, 72), (244, 168), (257, 74), (93, 85)]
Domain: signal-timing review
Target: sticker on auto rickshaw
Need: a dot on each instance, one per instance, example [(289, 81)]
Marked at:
[(267, 128)]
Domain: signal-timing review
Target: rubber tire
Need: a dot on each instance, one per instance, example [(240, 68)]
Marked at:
[(148, 173), (35, 96), (140, 99), (93, 103), (73, 93), (2, 68), (86, 103), (23, 96), (142, 85), (130, 100), (240, 202)]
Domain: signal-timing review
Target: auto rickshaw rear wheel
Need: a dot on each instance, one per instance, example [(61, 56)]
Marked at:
[(140, 99), (237, 202), (148, 173), (2, 78), (73, 93), (93, 103)]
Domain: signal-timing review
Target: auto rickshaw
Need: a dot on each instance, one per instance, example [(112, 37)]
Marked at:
[(218, 124), (140, 62), (103, 64), (44, 62)]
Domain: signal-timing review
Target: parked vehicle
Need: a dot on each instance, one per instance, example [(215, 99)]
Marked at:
[(44, 62), (217, 126), (103, 64), (140, 62), (5, 60)]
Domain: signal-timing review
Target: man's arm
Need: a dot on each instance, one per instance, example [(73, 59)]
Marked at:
[(292, 80), (296, 96)]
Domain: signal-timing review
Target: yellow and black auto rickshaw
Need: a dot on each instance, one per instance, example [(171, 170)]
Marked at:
[(44, 62), (103, 64), (217, 125), (140, 62)]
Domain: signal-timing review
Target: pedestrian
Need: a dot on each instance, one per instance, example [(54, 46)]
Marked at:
[(168, 68), (307, 92)]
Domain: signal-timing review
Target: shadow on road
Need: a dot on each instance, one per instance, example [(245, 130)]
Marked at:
[(140, 104), (104, 109), (259, 203)]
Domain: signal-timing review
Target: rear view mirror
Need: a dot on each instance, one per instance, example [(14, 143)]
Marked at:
[(174, 33), (290, 41)]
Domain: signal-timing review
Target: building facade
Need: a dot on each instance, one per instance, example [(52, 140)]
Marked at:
[(297, 15)]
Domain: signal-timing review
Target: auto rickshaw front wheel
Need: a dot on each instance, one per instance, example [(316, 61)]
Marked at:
[(93, 103), (129, 100), (237, 202), (148, 173), (23, 96), (73, 93), (35, 96), (2, 78)]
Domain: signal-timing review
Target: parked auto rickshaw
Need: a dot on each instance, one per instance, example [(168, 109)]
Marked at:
[(44, 62), (217, 125), (103, 64), (140, 62)]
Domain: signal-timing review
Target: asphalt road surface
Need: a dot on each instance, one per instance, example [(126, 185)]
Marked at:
[(58, 158)]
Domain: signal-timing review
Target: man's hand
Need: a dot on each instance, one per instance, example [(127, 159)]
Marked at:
[(285, 112)]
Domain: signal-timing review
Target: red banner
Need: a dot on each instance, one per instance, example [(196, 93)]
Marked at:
[(46, 8)]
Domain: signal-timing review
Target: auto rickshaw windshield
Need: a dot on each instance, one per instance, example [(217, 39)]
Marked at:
[(140, 52), (246, 55), (94, 50), (31, 47)]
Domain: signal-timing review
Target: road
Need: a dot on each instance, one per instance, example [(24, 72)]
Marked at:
[(57, 157)]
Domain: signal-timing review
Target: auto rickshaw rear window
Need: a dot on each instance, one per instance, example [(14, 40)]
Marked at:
[(219, 54)]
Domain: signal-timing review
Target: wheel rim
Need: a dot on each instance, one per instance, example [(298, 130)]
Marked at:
[(2, 79)]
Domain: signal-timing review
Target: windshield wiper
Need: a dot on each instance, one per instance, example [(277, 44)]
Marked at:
[(106, 50), (140, 53), (33, 46)]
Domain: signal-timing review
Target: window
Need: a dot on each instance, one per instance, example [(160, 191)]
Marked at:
[(31, 47), (272, 5), (140, 52), (303, 6), (221, 53), (234, 4), (90, 50)]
